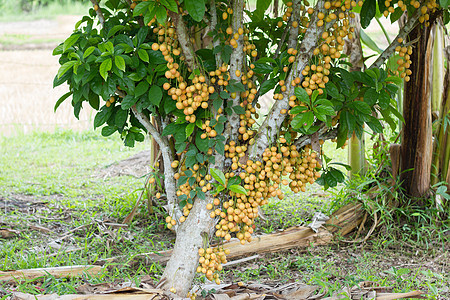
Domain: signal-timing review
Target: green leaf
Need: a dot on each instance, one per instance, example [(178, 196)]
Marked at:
[(267, 86), (368, 11), (141, 88), (202, 144), (398, 12), (304, 120), (171, 4), (262, 68), (190, 129), (58, 50), (66, 67), (301, 95), (220, 148), (70, 41), (109, 47), (129, 139), (218, 176), (61, 100), (367, 40), (128, 102), (161, 15), (239, 110), (94, 101), (297, 109), (120, 118), (102, 116), (143, 55), (119, 62), (238, 189), (394, 79), (338, 175), (114, 30), (362, 107), (443, 4), (105, 66), (155, 95), (108, 130), (88, 51), (141, 8), (375, 125), (371, 96), (195, 8), (325, 110), (261, 7)]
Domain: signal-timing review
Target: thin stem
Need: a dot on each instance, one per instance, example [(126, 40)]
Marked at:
[(98, 11), (384, 30), (409, 26)]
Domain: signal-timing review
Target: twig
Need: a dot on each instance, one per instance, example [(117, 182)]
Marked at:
[(409, 26), (239, 261), (131, 215), (164, 146), (99, 13), (324, 134)]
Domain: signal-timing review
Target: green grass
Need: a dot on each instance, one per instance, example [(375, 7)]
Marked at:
[(11, 11), (61, 169)]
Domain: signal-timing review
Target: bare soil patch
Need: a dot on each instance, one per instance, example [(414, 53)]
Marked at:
[(137, 166), (26, 80)]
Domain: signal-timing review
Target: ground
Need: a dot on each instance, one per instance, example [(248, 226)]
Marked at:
[(64, 197)]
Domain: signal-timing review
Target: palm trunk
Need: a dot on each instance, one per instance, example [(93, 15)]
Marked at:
[(356, 149), (417, 150)]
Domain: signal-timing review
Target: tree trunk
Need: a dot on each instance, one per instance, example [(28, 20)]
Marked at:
[(181, 268), (416, 150)]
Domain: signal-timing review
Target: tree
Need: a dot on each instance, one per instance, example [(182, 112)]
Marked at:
[(200, 71)]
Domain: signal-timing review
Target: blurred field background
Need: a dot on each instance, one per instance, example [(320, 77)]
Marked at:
[(27, 66)]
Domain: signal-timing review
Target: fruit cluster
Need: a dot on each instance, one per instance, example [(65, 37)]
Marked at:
[(210, 262), (404, 62)]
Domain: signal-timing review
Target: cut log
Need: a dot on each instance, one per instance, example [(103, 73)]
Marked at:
[(342, 222), (58, 272), (345, 219)]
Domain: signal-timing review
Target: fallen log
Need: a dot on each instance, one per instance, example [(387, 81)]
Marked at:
[(118, 294), (342, 222), (58, 272)]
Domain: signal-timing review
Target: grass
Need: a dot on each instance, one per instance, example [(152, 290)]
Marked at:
[(52, 180), (10, 10)]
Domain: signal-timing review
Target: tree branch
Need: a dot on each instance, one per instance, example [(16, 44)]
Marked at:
[(237, 58), (273, 121), (409, 26), (183, 39), (169, 180), (100, 16), (324, 134), (293, 31), (213, 12)]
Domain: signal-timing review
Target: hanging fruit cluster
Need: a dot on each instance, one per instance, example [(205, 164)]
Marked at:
[(210, 262), (426, 8), (404, 62)]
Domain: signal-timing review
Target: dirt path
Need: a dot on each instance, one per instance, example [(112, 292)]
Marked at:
[(26, 80)]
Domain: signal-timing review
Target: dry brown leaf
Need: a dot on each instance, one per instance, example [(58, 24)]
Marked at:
[(301, 292), (8, 233), (220, 297)]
